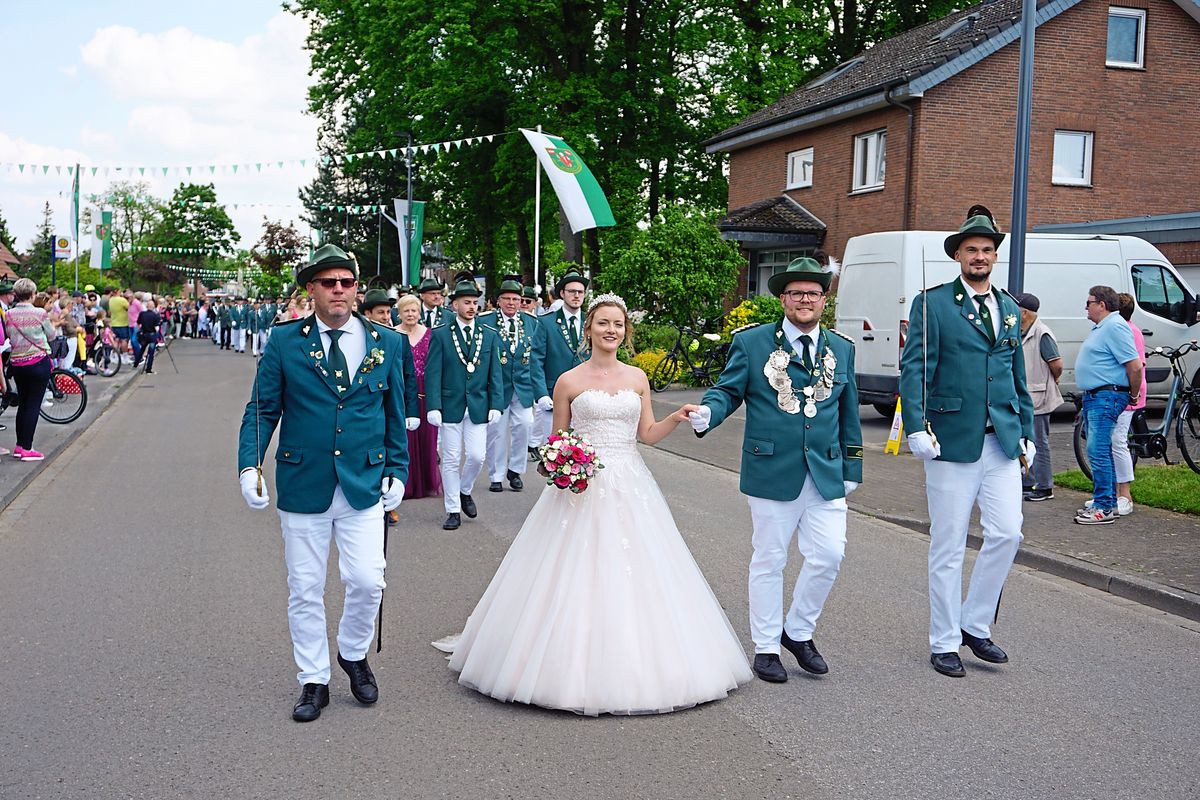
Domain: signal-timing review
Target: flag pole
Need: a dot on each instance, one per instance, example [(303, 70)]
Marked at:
[(76, 221), (537, 213)]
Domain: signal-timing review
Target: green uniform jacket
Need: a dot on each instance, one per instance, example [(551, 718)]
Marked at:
[(253, 319), (224, 315), (967, 378), (327, 438), (237, 317), (440, 316), (780, 449), (552, 353), (451, 389), (516, 365)]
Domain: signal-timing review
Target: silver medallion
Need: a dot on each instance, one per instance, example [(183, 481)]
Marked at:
[(810, 409), (470, 367)]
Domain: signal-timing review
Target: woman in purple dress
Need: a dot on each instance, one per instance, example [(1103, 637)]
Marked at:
[(424, 479)]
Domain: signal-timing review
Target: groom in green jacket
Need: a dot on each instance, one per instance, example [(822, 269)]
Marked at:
[(801, 456)]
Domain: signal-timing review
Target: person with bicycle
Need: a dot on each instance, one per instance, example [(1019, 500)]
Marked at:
[(969, 415), (29, 331), (1108, 371)]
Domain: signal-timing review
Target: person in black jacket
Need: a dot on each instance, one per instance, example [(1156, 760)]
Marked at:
[(148, 323)]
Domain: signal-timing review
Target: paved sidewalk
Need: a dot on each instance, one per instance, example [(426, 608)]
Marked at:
[(1152, 556)]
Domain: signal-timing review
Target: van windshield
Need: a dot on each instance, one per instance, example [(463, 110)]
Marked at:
[(1159, 292)]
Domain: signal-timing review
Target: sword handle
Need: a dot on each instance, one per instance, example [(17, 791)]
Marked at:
[(258, 470)]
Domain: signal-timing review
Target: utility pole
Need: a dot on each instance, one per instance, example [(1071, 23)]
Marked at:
[(1016, 246)]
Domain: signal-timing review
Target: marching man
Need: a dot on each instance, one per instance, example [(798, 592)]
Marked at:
[(433, 313), (556, 351), (463, 393), (801, 456), (508, 437), (970, 418), (334, 385)]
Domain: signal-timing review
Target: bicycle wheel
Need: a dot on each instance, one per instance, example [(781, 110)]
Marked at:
[(713, 367), (1187, 433), (665, 371), (66, 397), (1079, 444), (106, 360)]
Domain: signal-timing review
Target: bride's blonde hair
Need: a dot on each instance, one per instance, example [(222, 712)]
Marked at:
[(598, 302)]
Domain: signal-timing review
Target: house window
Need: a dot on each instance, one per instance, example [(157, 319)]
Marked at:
[(767, 264), (1072, 158), (799, 170), (1126, 37), (869, 160)]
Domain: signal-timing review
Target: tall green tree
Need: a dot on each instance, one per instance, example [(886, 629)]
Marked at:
[(278, 252), (41, 249), (6, 236)]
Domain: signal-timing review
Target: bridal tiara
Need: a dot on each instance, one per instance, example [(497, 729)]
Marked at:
[(607, 297)]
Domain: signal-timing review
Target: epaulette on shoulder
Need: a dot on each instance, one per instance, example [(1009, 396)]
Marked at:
[(736, 331), (278, 324), (1010, 295), (483, 324), (835, 331)]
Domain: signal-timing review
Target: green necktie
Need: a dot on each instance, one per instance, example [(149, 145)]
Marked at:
[(571, 329), (337, 361), (805, 342), (467, 349), (986, 316)]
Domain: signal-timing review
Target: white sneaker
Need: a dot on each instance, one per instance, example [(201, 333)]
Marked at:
[(1124, 507)]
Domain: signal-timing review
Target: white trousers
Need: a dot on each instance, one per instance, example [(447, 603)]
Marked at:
[(1122, 459), (259, 341), (994, 484), (359, 536), (239, 339), (821, 525), (507, 440), (216, 331), (462, 447), (539, 432)]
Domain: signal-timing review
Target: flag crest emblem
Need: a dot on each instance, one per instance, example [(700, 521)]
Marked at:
[(565, 159)]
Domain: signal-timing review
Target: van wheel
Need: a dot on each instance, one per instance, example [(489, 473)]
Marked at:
[(885, 409)]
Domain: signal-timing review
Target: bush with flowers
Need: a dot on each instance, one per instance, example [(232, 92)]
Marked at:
[(567, 461)]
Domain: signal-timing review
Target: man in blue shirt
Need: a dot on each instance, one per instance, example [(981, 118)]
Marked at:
[(1109, 373)]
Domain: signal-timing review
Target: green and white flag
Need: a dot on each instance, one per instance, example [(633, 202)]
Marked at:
[(581, 197), (102, 242)]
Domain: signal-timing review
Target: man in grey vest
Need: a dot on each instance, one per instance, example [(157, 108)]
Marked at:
[(1043, 368)]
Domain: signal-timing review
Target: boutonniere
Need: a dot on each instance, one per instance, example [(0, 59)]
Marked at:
[(317, 354), (373, 360), (1010, 320)]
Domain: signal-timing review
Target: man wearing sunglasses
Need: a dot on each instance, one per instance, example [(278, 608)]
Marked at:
[(333, 383)]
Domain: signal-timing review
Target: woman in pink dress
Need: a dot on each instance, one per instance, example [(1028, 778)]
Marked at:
[(424, 478)]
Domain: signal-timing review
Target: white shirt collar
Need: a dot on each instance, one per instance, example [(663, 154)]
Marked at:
[(793, 332), (347, 328)]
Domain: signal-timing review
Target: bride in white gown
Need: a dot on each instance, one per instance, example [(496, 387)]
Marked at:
[(598, 606)]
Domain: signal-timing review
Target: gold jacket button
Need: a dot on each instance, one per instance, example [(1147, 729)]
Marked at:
[(287, 454), (381, 455)]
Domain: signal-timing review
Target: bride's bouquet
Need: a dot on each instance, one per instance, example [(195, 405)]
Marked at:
[(568, 461)]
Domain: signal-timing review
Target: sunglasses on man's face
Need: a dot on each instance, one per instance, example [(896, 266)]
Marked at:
[(329, 283)]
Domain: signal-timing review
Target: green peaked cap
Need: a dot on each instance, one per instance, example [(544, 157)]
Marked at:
[(465, 289), (375, 297), (978, 225), (801, 269), (529, 291), (573, 276), (327, 256), (508, 287), (430, 285)]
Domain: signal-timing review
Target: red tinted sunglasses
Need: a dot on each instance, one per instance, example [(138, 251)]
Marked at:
[(329, 283)]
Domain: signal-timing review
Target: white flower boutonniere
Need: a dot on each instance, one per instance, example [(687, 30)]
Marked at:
[(1010, 320), (373, 360)]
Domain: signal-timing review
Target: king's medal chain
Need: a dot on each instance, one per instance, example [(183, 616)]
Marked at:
[(470, 364), (777, 375)]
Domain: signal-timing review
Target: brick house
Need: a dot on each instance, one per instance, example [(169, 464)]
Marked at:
[(910, 133), (8, 264)]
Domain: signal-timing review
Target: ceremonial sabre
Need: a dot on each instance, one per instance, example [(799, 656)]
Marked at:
[(258, 454)]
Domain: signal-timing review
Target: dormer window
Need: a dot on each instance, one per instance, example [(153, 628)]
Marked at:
[(838, 71), (1126, 38)]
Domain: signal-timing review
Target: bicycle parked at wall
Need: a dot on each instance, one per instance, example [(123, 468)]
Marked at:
[(1183, 410), (65, 400), (705, 370)]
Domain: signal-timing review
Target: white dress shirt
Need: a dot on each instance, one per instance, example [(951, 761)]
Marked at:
[(353, 342), (793, 334)]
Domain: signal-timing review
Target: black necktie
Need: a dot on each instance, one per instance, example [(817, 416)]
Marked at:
[(805, 342), (573, 333), (986, 316), (467, 338), (337, 361), (429, 319)]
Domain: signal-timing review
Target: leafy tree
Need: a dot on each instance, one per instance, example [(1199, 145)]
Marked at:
[(678, 270), (41, 249), (278, 252), (6, 237)]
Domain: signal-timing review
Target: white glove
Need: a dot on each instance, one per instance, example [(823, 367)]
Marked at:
[(493, 414), (700, 419), (1029, 450), (435, 418), (249, 481), (850, 486), (392, 492), (544, 403), (412, 423), (922, 446)]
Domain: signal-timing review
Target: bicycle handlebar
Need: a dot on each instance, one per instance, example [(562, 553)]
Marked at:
[(1177, 353)]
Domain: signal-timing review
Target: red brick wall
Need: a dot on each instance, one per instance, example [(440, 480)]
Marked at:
[(1181, 252), (1146, 151)]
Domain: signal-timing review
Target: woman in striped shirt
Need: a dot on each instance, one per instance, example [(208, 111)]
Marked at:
[(29, 331)]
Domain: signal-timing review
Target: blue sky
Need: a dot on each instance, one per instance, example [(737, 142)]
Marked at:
[(150, 83)]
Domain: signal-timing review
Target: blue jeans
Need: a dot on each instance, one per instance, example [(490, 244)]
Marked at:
[(1100, 412)]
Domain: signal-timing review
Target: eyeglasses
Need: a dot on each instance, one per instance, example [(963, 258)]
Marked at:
[(797, 295), (329, 283), (1089, 303), (573, 291)]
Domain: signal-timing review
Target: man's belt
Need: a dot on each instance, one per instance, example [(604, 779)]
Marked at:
[(1108, 387)]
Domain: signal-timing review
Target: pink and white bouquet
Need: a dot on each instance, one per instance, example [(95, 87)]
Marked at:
[(568, 461)]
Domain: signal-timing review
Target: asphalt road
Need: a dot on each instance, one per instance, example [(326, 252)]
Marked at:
[(143, 606)]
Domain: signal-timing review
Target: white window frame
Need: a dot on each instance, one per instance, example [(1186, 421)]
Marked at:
[(1086, 180), (795, 169), (870, 160), (1140, 15)]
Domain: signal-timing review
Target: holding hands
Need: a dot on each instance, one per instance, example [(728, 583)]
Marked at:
[(700, 417)]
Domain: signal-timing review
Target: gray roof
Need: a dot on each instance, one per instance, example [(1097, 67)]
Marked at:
[(779, 214), (1162, 228)]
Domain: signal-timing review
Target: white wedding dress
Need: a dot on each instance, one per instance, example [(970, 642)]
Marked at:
[(598, 607)]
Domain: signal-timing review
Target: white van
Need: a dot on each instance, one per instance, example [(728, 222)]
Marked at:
[(882, 273)]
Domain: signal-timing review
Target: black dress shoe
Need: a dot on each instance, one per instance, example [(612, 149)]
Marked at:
[(806, 653), (768, 667), (985, 649), (362, 680), (452, 522), (495, 486), (313, 697), (468, 505), (514, 481), (534, 455), (948, 664)]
